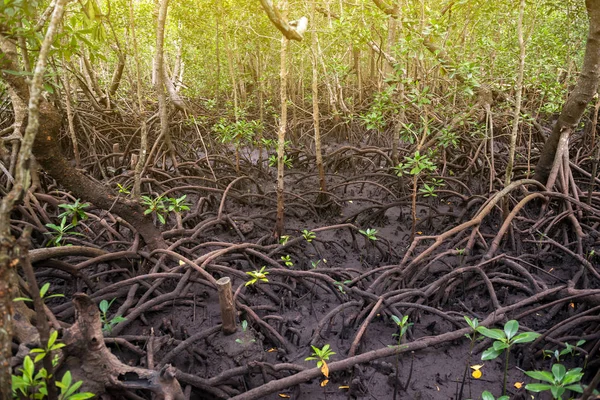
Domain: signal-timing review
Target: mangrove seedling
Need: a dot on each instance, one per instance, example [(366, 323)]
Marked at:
[(287, 260), (108, 324), (51, 346), (569, 349), (340, 285), (287, 161), (321, 356), (156, 206), (74, 211), (43, 292), (557, 382), (244, 330), (309, 235), (403, 325), (60, 231), (260, 275), (283, 239), (504, 340), (474, 325), (369, 233)]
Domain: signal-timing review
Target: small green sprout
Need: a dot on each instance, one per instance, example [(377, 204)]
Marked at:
[(43, 292), (569, 349), (309, 236), (260, 275), (60, 231), (287, 260), (177, 205), (108, 324), (321, 356), (287, 161), (369, 233), (283, 239), (403, 325), (123, 189), (428, 191), (340, 286), (244, 330), (74, 211), (155, 205)]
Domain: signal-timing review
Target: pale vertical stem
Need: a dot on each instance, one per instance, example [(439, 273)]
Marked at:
[(517, 113), (160, 78), (315, 101), (279, 224), (68, 100), (137, 183)]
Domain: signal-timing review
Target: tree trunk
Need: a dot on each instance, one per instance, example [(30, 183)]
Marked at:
[(517, 113), (159, 71), (586, 88), (279, 224), (9, 252)]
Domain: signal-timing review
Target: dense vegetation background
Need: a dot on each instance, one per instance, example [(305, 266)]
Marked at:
[(401, 159)]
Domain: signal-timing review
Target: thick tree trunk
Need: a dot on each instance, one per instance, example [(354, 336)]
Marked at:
[(47, 153), (586, 88)]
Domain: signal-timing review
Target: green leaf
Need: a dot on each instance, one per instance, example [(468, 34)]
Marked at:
[(490, 354), (82, 396), (525, 337), (571, 376), (537, 387), (487, 396), (557, 391), (44, 289), (540, 375), (22, 299), (575, 388), (499, 346), (491, 333), (52, 338), (511, 328), (104, 306), (559, 371)]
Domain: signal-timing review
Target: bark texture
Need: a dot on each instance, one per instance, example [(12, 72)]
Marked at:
[(586, 88)]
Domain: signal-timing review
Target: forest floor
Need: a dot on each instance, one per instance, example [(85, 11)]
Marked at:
[(340, 288)]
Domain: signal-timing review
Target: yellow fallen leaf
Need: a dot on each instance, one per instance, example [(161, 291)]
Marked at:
[(476, 367), (284, 396), (572, 305), (476, 374), (181, 262), (325, 369), (519, 385), (272, 350), (344, 387), (324, 383), (437, 387), (420, 233)]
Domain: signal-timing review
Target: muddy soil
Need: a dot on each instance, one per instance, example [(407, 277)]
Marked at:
[(328, 292)]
